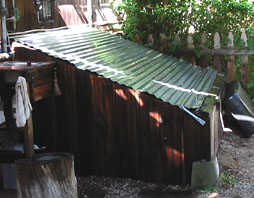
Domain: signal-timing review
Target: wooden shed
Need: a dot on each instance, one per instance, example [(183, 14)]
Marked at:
[(58, 13), (125, 110)]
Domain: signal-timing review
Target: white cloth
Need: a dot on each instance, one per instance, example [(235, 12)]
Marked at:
[(23, 105), (2, 118)]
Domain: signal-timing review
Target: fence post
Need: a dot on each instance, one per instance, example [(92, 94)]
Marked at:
[(150, 39), (137, 39), (190, 45), (216, 61), (203, 60), (231, 59), (163, 43), (244, 60)]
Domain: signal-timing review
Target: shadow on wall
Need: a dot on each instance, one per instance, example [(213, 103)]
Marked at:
[(130, 134)]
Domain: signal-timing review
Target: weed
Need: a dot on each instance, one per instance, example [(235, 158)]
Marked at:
[(227, 178), (208, 189)]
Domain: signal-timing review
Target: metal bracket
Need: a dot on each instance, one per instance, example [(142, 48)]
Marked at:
[(201, 121)]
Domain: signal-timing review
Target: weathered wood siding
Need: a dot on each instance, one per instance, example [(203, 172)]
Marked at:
[(27, 13), (28, 17), (115, 131)]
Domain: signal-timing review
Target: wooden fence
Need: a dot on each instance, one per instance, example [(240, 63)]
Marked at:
[(216, 56)]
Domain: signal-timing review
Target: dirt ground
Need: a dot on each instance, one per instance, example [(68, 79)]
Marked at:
[(236, 160)]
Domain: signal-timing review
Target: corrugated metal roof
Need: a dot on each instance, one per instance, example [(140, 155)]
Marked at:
[(127, 63)]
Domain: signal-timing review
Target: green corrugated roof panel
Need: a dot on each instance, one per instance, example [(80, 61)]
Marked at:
[(127, 63)]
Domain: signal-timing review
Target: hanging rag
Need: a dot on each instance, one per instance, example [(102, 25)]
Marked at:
[(23, 105), (57, 90), (2, 118)]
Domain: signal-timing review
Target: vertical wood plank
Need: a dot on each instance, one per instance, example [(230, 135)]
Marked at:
[(90, 12), (27, 13), (244, 60), (190, 41), (163, 43), (29, 137), (137, 39), (29, 134), (217, 61), (189, 57), (203, 60), (231, 59), (150, 39)]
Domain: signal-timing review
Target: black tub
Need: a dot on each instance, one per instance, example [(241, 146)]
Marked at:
[(239, 106)]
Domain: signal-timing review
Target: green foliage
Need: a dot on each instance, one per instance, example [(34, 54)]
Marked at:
[(222, 15), (227, 178), (208, 189), (250, 84), (174, 17), (146, 17)]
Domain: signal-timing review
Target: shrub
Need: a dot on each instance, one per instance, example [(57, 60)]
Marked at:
[(174, 17)]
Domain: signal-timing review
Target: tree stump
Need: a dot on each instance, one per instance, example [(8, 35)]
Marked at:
[(46, 176)]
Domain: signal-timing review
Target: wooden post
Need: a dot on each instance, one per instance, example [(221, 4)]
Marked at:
[(244, 61), (216, 61), (150, 39), (29, 137), (203, 60), (163, 43), (14, 22), (190, 45), (137, 39), (90, 12), (46, 176), (3, 28), (28, 133), (231, 59)]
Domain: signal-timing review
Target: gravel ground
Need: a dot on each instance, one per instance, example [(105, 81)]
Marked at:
[(236, 160), (116, 187)]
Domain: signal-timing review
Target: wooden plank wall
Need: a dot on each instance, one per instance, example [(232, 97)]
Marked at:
[(127, 139), (27, 13), (55, 119), (28, 17), (74, 14), (196, 142), (115, 131)]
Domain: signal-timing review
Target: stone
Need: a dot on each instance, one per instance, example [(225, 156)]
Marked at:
[(204, 174)]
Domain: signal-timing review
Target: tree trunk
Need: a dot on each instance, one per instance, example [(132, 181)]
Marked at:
[(46, 176)]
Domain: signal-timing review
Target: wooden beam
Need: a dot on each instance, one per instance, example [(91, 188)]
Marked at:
[(29, 137), (244, 61), (3, 28), (217, 46), (218, 52), (29, 134), (90, 12), (231, 60)]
